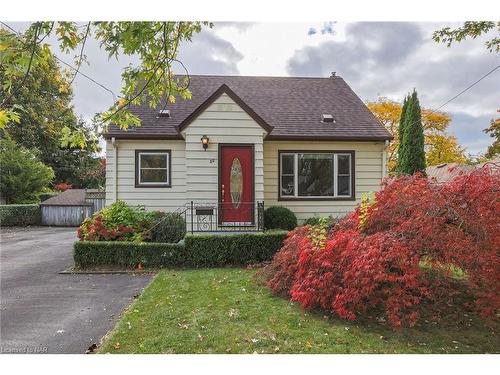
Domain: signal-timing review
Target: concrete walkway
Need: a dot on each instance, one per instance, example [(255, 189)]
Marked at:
[(44, 311)]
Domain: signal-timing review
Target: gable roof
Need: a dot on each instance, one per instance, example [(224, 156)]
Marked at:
[(287, 107), (74, 197), (224, 89)]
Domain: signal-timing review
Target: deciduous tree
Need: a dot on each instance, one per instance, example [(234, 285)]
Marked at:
[(435, 125), (494, 131), (156, 45), (444, 149), (43, 100)]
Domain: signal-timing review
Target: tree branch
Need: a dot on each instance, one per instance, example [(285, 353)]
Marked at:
[(30, 63)]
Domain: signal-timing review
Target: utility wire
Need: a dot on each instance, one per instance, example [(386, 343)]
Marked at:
[(467, 88), (457, 95)]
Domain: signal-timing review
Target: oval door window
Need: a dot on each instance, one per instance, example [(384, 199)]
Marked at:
[(236, 183)]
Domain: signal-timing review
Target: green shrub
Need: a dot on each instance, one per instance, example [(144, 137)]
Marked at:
[(197, 251), (127, 255), (118, 222), (277, 217), (170, 227), (205, 250), (23, 175), (19, 215)]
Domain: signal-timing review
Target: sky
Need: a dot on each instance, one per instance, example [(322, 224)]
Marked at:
[(386, 59)]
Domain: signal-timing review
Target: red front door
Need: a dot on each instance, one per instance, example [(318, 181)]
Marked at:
[(236, 185)]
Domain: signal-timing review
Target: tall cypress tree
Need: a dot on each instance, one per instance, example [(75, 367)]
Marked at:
[(402, 127), (411, 158)]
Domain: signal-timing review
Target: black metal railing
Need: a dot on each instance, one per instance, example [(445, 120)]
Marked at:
[(224, 217)]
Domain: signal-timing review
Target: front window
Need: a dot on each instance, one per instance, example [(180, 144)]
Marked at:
[(316, 175), (153, 168)]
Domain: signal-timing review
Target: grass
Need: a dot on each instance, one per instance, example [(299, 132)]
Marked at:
[(225, 311)]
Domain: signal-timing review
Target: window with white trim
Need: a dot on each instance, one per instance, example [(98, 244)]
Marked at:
[(315, 175), (153, 168)]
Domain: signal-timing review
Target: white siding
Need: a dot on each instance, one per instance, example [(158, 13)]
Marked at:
[(223, 122), (368, 175), (165, 199)]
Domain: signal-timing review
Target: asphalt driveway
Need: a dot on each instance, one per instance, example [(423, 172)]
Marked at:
[(44, 311)]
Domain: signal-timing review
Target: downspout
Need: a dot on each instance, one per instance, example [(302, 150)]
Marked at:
[(384, 159), (115, 168)]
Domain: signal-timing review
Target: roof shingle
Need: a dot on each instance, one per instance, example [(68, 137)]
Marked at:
[(292, 106), (74, 197)]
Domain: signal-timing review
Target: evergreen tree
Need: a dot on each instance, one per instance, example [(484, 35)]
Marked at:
[(402, 124), (412, 153), (24, 177)]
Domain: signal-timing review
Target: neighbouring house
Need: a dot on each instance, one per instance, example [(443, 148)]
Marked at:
[(448, 171), (71, 207), (245, 143)]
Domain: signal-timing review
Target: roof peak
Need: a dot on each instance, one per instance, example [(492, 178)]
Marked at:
[(260, 76)]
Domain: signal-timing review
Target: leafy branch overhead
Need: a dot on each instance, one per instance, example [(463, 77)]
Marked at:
[(470, 29), (155, 44)]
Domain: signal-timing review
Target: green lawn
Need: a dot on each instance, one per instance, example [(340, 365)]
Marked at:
[(225, 311)]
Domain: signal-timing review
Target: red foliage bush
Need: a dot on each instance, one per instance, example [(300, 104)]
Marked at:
[(96, 231), (281, 272), (377, 262), (62, 186)]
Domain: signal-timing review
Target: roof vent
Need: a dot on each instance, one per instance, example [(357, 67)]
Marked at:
[(164, 113), (325, 117)]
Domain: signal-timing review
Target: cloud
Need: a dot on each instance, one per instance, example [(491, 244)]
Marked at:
[(328, 28), (368, 46), (240, 26), (210, 54), (469, 131), (312, 31), (390, 59)]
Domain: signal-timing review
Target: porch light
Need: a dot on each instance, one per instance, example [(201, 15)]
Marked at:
[(204, 142)]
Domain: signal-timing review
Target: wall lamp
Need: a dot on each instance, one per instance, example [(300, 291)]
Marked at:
[(204, 142)]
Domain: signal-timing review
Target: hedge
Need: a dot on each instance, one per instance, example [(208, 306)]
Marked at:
[(122, 254), (197, 251), (19, 215), (205, 250)]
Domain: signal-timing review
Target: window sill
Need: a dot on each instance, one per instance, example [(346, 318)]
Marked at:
[(152, 186), (305, 199)]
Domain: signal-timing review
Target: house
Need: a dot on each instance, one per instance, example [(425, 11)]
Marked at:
[(446, 172), (309, 144)]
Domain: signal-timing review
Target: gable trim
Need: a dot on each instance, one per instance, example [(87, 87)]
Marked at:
[(224, 89)]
